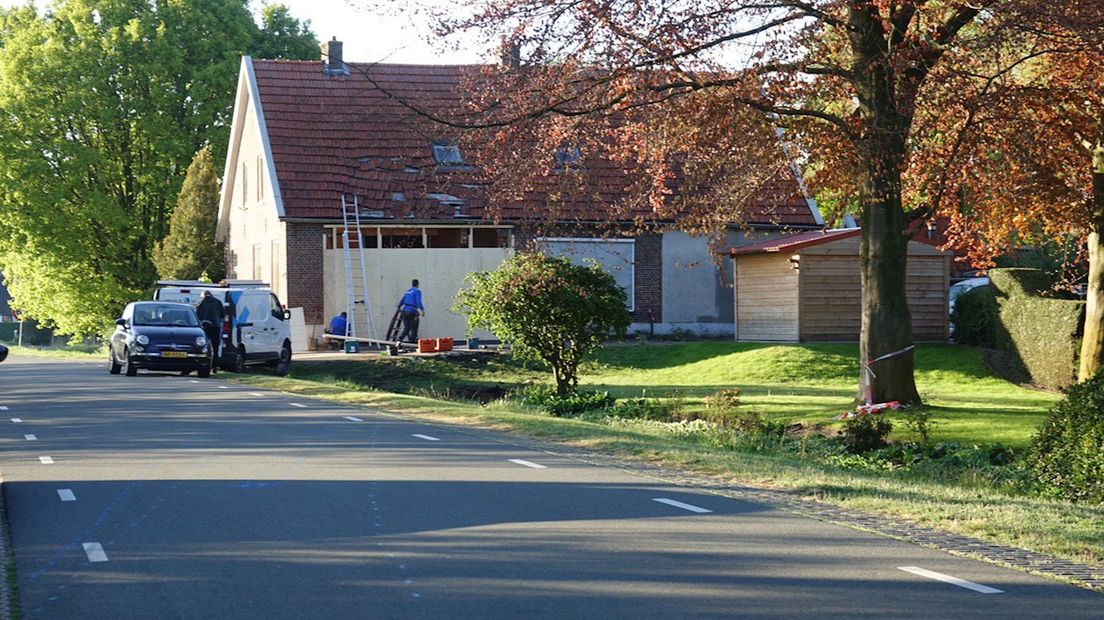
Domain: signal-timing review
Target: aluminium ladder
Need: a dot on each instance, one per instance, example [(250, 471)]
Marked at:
[(350, 217)]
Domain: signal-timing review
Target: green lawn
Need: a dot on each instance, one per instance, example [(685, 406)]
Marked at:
[(813, 383), (795, 383)]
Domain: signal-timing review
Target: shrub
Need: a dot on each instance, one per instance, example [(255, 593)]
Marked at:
[(863, 433), (548, 308), (546, 398), (668, 409), (1067, 455), (976, 318), (919, 422)]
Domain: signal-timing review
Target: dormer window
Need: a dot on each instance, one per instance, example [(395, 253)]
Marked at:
[(447, 154)]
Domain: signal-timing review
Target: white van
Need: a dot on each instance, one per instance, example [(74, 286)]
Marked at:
[(257, 327)]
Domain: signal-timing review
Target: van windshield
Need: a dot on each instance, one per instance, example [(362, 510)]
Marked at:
[(164, 315)]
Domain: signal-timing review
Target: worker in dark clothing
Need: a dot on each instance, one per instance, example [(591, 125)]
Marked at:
[(410, 306), (210, 310)]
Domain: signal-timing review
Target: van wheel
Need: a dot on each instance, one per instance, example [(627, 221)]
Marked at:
[(283, 365), (113, 367), (237, 362)]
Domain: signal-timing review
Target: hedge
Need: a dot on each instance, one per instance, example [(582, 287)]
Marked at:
[(32, 334), (1044, 333)]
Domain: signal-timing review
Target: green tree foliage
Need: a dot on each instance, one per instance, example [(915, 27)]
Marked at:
[(190, 250), (1068, 452), (102, 105), (283, 36), (548, 308)]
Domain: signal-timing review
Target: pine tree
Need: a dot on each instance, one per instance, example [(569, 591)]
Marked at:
[(190, 250)]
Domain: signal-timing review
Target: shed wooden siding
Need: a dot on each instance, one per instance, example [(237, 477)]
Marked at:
[(766, 298), (831, 291)]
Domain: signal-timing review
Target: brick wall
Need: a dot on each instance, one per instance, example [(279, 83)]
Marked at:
[(648, 278), (305, 280)]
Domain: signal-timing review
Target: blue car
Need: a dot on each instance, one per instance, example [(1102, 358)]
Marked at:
[(158, 335)]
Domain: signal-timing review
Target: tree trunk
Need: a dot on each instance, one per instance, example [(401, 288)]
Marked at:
[(886, 336), (1092, 345), (885, 101)]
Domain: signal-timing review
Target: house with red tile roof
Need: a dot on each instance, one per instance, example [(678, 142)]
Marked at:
[(308, 136)]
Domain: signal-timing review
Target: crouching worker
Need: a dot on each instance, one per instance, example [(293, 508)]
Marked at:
[(339, 326)]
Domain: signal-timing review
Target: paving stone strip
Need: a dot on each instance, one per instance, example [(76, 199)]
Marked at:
[(1084, 575)]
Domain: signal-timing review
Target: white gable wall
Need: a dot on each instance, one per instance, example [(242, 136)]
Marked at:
[(249, 212)]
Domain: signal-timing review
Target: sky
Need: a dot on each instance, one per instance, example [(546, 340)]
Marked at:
[(372, 30)]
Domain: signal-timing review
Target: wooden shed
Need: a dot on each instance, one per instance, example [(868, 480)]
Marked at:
[(807, 288)]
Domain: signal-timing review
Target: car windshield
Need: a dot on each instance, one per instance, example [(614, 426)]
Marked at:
[(164, 315)]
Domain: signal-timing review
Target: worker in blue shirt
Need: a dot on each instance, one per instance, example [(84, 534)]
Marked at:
[(410, 306), (339, 326)]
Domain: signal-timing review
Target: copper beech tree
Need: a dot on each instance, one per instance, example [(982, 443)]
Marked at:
[(1034, 165), (687, 100)]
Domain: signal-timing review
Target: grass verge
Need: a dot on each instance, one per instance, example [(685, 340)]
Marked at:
[(807, 383)]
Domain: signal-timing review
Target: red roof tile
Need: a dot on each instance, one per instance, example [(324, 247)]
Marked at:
[(336, 134)]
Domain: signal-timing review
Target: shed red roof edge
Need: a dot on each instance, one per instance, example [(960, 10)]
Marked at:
[(793, 242)]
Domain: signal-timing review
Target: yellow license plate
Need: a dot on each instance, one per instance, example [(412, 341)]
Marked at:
[(173, 354)]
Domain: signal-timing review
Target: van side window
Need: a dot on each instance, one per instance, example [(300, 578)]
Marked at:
[(275, 307)]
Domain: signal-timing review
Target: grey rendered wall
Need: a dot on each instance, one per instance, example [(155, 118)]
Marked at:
[(697, 290)]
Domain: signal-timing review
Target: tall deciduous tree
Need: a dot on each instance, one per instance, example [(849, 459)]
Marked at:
[(844, 78), (284, 36), (102, 105), (1034, 168), (190, 250)]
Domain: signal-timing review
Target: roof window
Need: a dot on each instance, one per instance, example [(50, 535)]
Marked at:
[(448, 157), (569, 157)]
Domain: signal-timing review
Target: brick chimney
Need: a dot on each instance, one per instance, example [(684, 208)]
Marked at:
[(333, 62), (509, 54)]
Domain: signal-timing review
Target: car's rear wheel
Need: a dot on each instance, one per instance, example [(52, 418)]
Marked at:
[(128, 364), (113, 367), (237, 363)]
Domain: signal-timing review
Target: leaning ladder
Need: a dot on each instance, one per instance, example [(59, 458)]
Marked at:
[(350, 217)]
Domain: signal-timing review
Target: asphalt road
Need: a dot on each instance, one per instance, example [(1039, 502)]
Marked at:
[(160, 496)]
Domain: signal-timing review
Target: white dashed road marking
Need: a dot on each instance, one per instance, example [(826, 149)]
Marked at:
[(30, 437), (17, 420), (671, 502), (66, 495), (221, 387), (255, 394), (528, 464), (45, 460), (3, 408), (300, 405), (426, 437), (962, 583), (95, 552), (193, 381), (352, 419)]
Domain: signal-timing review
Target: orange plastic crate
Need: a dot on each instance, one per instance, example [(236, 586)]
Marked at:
[(427, 345), (444, 344)]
